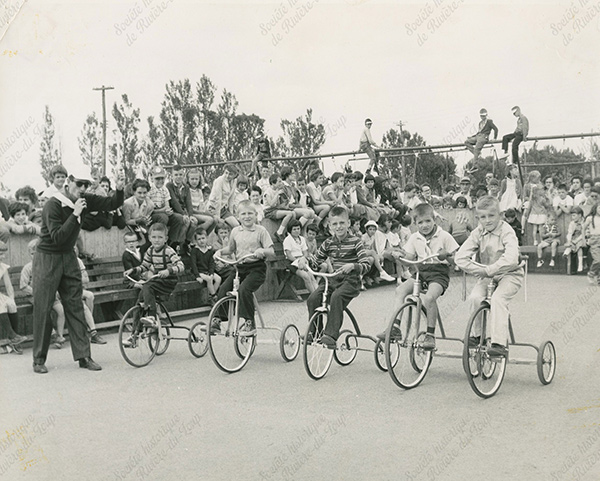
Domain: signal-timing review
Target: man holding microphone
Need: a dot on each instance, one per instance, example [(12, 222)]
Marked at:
[(55, 268)]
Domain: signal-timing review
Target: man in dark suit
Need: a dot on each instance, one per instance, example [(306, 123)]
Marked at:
[(476, 142), (55, 268)]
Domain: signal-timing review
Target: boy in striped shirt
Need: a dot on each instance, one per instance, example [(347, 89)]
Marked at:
[(349, 259), (165, 264)]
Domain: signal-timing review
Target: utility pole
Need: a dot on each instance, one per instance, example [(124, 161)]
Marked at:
[(104, 89), (401, 124)]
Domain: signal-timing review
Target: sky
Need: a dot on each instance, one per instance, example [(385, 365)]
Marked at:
[(431, 65)]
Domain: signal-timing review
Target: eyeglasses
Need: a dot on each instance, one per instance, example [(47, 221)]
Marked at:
[(80, 183)]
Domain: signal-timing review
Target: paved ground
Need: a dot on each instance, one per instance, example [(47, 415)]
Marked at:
[(181, 418)]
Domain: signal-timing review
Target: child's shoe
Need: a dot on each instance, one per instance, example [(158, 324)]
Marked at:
[(149, 321), (16, 349), (474, 341), (328, 341), (17, 339), (551, 262), (128, 342), (535, 242), (540, 263), (580, 268), (215, 327), (248, 329), (497, 350), (395, 335), (386, 277), (95, 338), (428, 343), (362, 286), (58, 342)]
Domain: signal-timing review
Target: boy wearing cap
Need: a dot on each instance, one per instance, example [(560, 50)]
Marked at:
[(518, 136), (375, 243), (163, 212), (465, 187), (476, 142), (55, 268), (367, 144)]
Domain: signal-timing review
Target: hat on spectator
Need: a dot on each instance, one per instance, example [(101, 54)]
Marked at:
[(371, 223), (158, 172), (465, 180)]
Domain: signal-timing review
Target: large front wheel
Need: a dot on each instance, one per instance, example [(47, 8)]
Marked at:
[(317, 356), (137, 343), (405, 357), (484, 372), (228, 349)]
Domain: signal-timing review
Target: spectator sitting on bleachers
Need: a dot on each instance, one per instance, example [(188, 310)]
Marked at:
[(581, 198), (295, 249), (494, 189), (465, 188), (334, 192), (311, 240), (392, 251), (550, 238), (132, 258), (510, 216), (263, 182), (277, 205), (511, 189), (203, 264), (181, 203), (117, 215), (9, 317), (562, 203), (368, 210), (28, 196), (256, 198), (223, 188), (219, 240), (575, 188), (19, 222), (95, 220), (411, 198), (138, 210), (314, 189), (575, 239), (240, 193), (163, 213), (199, 201), (375, 243)]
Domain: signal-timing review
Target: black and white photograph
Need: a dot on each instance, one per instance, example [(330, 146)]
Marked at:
[(299, 239)]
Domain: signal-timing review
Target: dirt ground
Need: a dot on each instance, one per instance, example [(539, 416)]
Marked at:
[(181, 418)]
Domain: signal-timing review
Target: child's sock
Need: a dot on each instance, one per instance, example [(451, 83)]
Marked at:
[(430, 330), (13, 317)]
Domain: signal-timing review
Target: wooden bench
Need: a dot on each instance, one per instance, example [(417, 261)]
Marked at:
[(112, 297)]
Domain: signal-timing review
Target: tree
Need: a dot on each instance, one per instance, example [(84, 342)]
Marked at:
[(90, 142), (178, 123), (300, 137), (50, 153), (208, 120), (125, 147), (422, 167), (562, 172)]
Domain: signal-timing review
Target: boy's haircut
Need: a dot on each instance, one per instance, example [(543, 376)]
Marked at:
[(129, 234), (206, 190), (462, 199), (33, 244), (339, 211), (312, 228), (369, 177), (494, 182), (336, 176), (510, 213), (232, 168), (449, 188), (242, 180), (562, 187), (423, 210), (596, 190), (487, 202), (273, 178), (58, 169), (410, 186), (383, 218), (28, 192), (158, 227), (587, 180), (406, 220), (137, 183), (358, 176), (200, 231), (285, 172), (577, 210), (177, 168), (221, 226), (425, 185), (256, 188), (104, 179), (353, 219), (395, 176), (15, 207), (246, 204), (315, 175), (293, 223)]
